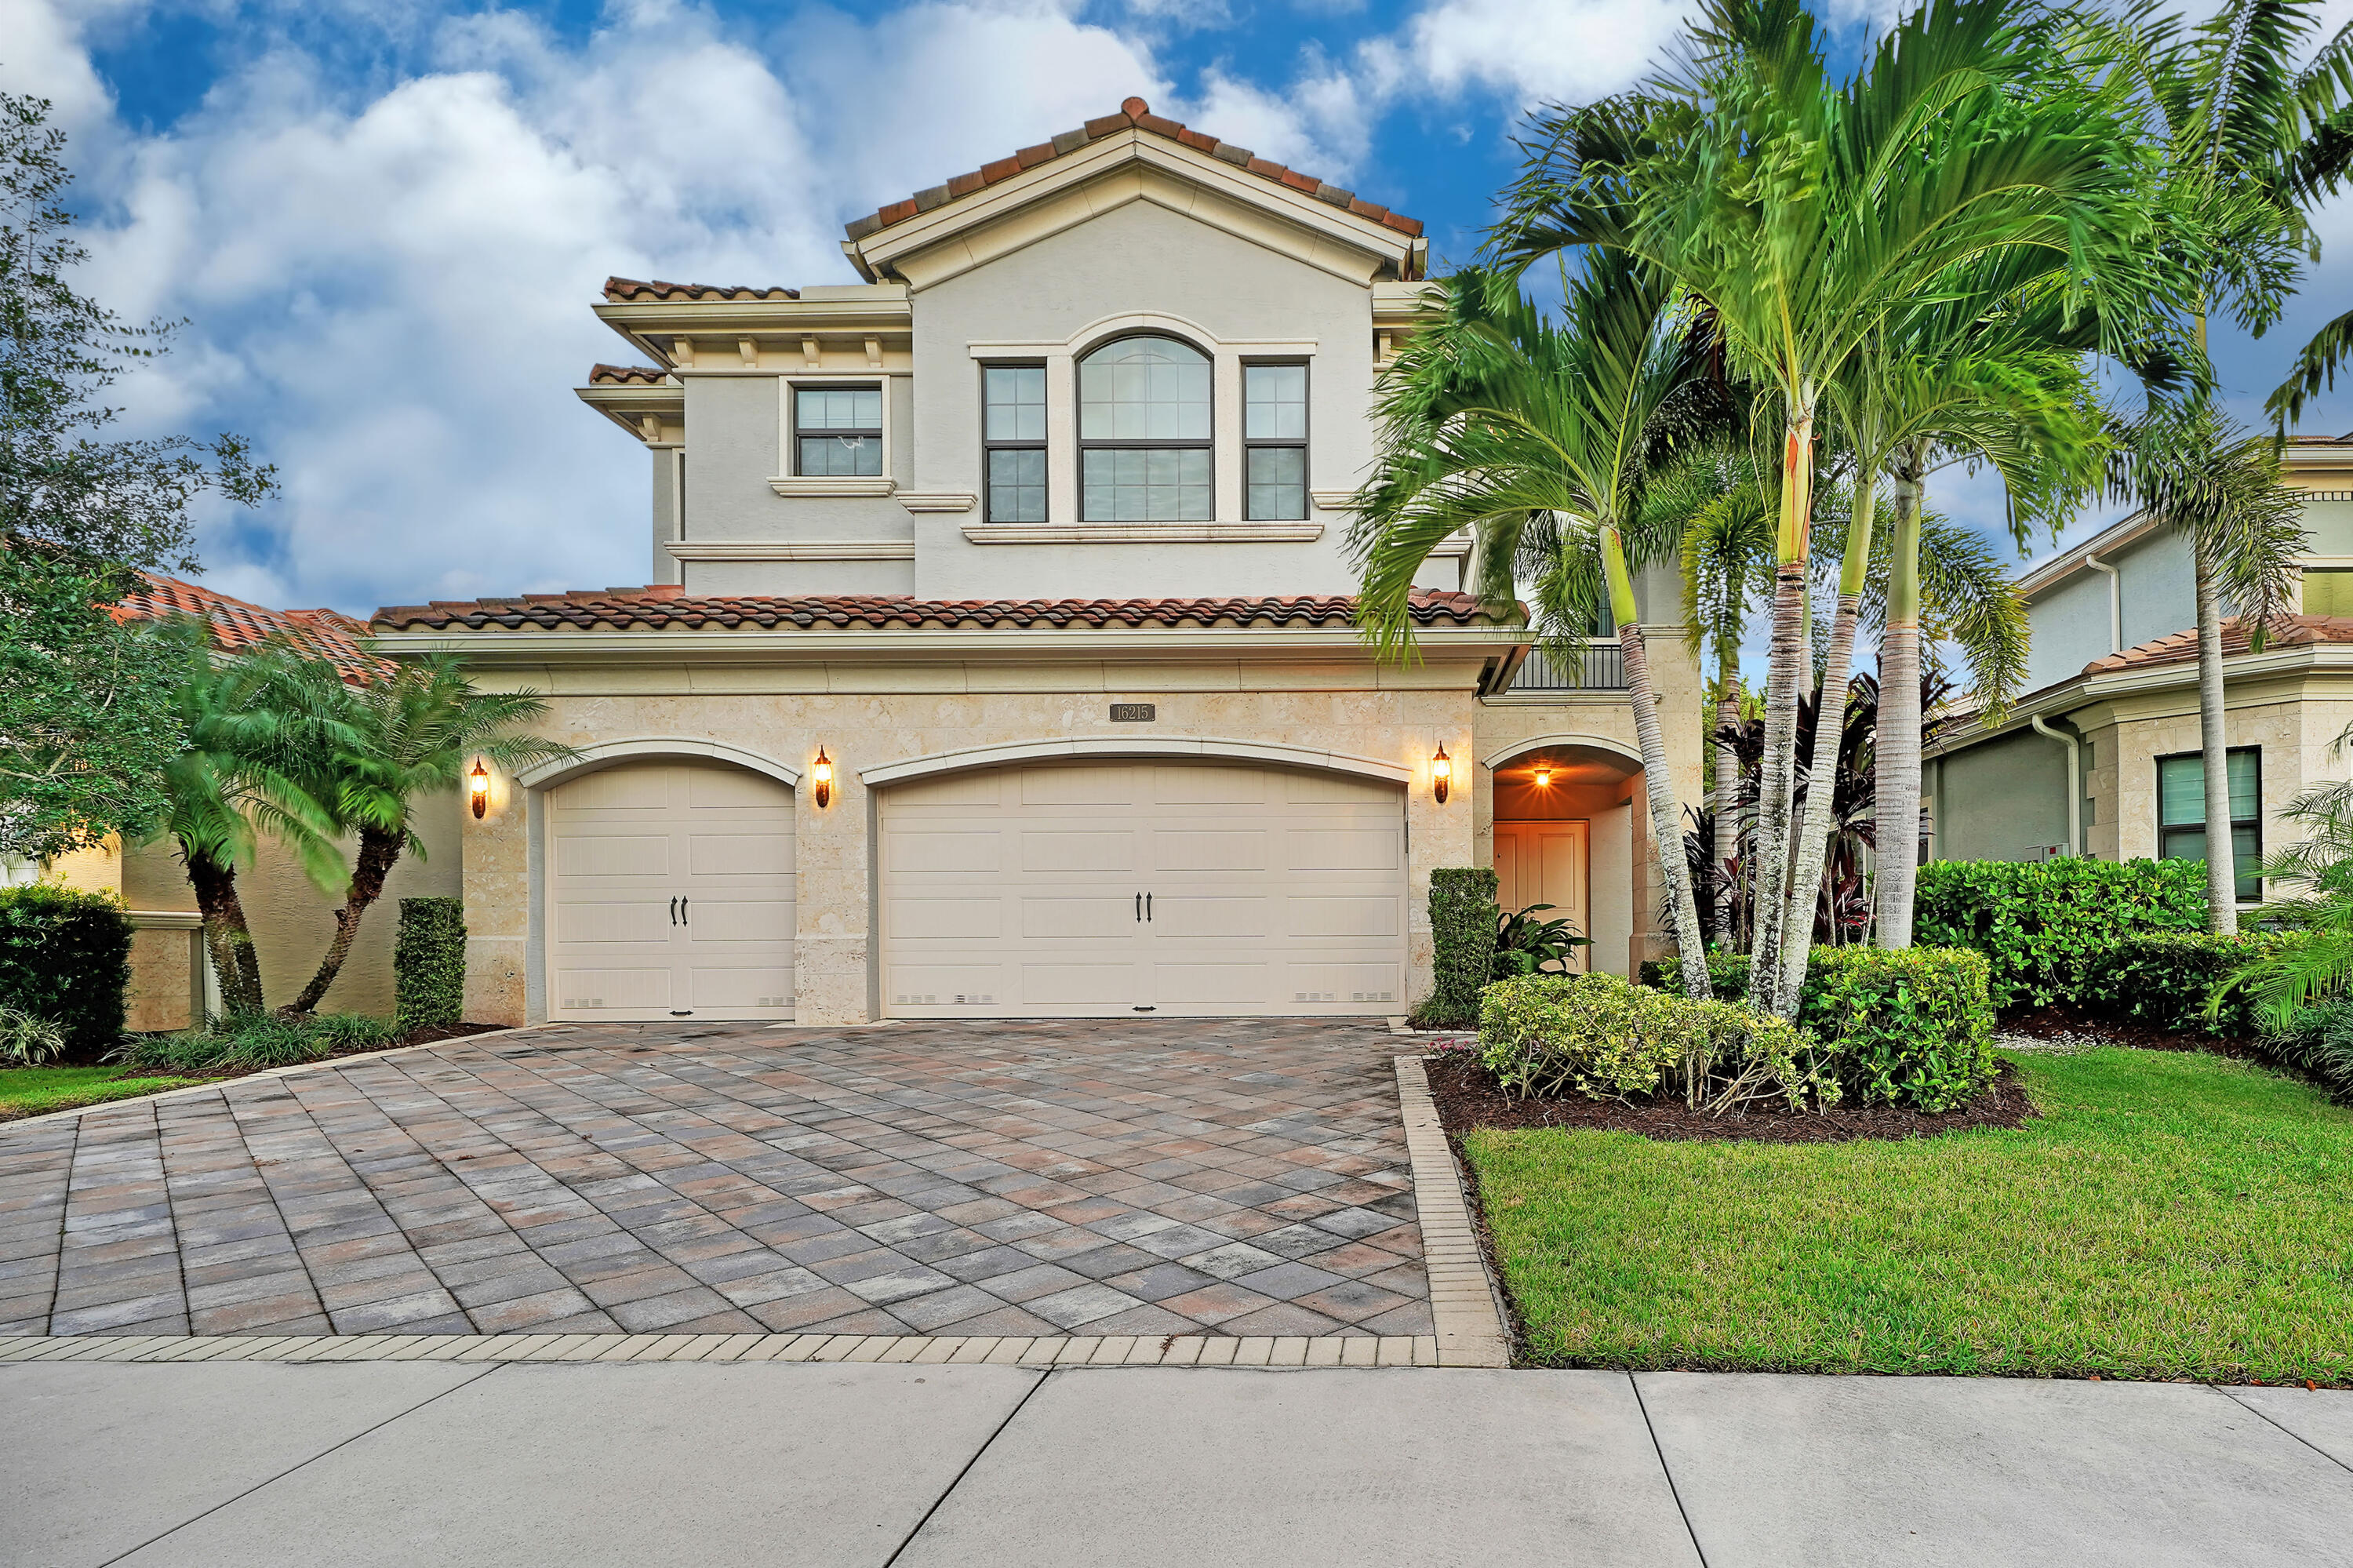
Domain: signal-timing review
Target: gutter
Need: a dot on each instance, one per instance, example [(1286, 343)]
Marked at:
[(2074, 746), (2115, 600)]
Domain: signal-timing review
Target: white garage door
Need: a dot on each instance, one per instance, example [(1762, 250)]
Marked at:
[(671, 894), (1095, 889)]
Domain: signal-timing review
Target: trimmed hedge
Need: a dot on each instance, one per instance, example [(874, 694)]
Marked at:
[(1908, 1028), (428, 964), (2041, 924), (1605, 1039), (66, 956), (1463, 921), (2162, 978)]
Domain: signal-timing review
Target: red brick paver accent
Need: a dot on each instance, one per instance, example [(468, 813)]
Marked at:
[(1226, 1177)]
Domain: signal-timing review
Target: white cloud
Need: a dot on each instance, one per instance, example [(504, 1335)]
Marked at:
[(1529, 51)]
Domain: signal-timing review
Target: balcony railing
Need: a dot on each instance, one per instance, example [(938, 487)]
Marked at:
[(1602, 667)]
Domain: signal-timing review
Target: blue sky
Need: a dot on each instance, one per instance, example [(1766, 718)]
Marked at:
[(384, 219)]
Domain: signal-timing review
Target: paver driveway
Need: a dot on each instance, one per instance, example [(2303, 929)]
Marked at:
[(1224, 1176)]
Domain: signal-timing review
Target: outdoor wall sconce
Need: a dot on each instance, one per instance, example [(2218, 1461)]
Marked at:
[(823, 774), (1441, 773), (478, 784), (1544, 777)]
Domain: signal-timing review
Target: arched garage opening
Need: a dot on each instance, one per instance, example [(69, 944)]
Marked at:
[(666, 884), (1174, 883), (1565, 824)]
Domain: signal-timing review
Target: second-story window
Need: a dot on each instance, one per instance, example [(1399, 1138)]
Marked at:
[(838, 431), (1013, 400), (1144, 433), (1274, 442)]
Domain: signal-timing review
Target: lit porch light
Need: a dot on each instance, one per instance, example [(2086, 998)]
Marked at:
[(823, 774), (1441, 773), (477, 786)]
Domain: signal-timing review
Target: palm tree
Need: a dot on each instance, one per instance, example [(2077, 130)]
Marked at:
[(1806, 213), (2248, 138), (405, 735), (253, 727), (1539, 440)]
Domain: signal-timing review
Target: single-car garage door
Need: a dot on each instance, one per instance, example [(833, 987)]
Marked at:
[(1087, 889), (670, 894)]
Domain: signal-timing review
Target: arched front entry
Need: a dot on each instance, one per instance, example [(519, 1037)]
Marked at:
[(1100, 885), (1564, 836), (667, 886)]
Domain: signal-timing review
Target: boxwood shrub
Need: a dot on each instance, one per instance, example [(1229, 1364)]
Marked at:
[(2039, 923), (1462, 919), (66, 956), (1598, 1036), (2162, 978), (1909, 1027), (428, 964)]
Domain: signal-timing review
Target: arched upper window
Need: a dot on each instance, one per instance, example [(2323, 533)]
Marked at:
[(1145, 432)]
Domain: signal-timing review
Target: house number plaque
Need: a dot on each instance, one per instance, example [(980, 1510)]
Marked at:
[(1134, 713)]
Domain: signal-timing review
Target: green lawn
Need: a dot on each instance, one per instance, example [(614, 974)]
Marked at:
[(29, 1091), (2171, 1215)]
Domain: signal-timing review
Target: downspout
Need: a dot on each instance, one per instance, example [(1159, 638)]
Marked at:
[(2074, 746), (2115, 601)]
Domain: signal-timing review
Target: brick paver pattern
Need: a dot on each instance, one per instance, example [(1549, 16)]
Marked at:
[(1229, 1177)]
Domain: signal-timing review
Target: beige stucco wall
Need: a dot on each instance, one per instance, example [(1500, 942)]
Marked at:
[(292, 921)]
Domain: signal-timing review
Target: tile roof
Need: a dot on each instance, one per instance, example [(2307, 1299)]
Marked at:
[(2287, 632), (236, 624), (622, 290), (626, 376), (664, 606), (1134, 114)]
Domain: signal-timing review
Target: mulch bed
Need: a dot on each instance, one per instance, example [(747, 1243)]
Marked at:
[(1468, 1098), (2073, 1026)]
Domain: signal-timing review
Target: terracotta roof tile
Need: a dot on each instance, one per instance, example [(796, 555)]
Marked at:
[(1134, 114), (236, 624), (2181, 647), (665, 607), (626, 289), (626, 376)]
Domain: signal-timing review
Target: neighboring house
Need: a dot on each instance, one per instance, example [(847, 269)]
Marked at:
[(999, 657), (291, 920), (2101, 758)]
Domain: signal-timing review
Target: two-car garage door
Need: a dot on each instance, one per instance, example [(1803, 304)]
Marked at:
[(1091, 888)]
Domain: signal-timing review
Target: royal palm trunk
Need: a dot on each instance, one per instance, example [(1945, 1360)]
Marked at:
[(2213, 740), (1821, 759), (1786, 674), (1727, 791), (1896, 751), (1658, 784)]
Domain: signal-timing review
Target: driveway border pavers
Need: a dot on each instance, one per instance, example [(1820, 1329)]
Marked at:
[(1464, 1303)]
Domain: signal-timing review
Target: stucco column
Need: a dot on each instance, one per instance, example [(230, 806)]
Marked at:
[(1682, 693), (833, 903), (496, 855), (1438, 835)]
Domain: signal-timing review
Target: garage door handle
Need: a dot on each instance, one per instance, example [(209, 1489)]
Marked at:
[(1147, 907), (673, 911), (682, 918), (1139, 909)]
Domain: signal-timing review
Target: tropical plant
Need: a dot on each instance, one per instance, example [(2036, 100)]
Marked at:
[(2250, 136), (27, 1041), (1539, 440), (399, 737), (2315, 964), (255, 1042), (1805, 214), (1527, 946), (252, 729)]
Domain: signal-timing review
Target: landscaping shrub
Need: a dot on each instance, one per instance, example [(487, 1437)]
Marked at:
[(1527, 945), (2162, 980), (2041, 923), (428, 964), (2322, 1045), (1462, 919), (1543, 1034), (1910, 1028), (26, 1041), (257, 1040), (66, 956)]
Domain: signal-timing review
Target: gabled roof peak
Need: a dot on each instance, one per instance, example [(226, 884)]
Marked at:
[(1134, 114)]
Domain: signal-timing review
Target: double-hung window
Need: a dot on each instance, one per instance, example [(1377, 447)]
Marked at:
[(838, 431), (1145, 433), (1013, 401), (1274, 442), (2181, 813)]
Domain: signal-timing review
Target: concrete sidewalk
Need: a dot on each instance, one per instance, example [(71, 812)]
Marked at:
[(255, 1464)]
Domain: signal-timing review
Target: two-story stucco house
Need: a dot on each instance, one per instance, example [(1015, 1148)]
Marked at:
[(999, 657), (2101, 758)]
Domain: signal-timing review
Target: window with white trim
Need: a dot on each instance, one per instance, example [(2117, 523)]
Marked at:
[(1274, 442), (838, 431), (1013, 436), (1145, 433)]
